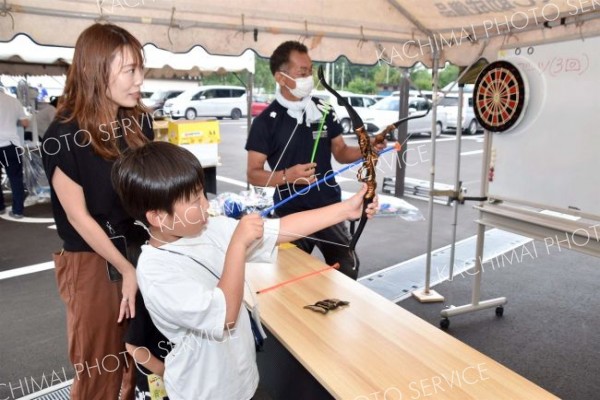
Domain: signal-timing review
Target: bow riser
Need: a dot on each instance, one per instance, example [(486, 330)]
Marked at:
[(367, 171)]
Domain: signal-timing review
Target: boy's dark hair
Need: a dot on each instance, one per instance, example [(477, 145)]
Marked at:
[(154, 177), (281, 55)]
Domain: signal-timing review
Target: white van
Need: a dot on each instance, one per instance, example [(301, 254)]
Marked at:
[(386, 111), (359, 102), (208, 101), (469, 122)]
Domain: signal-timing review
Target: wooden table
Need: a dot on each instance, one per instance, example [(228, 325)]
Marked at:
[(373, 347)]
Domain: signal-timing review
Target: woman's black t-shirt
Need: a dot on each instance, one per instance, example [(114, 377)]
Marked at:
[(63, 148)]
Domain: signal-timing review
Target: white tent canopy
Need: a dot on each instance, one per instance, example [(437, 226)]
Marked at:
[(164, 64), (401, 32), (22, 56)]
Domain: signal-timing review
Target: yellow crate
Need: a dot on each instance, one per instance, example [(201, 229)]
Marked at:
[(194, 132)]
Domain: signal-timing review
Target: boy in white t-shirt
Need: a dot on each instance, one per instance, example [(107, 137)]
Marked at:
[(191, 274)]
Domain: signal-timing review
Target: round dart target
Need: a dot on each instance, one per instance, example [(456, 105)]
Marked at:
[(499, 96)]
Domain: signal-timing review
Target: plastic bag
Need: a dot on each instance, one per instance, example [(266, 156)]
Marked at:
[(34, 177), (236, 205)]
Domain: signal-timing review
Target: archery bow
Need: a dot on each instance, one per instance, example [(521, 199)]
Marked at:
[(325, 178), (366, 172)]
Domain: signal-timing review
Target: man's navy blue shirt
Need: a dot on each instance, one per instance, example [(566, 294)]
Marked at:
[(269, 134)]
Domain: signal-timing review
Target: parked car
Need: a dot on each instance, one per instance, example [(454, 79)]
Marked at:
[(411, 93), (157, 101), (428, 94), (469, 122), (259, 103), (386, 111), (7, 91), (208, 101), (360, 102)]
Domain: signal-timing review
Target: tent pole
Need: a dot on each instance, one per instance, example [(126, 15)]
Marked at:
[(427, 295), (402, 134), (249, 96), (457, 183)]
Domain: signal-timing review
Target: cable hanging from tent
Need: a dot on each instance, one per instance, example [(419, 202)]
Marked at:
[(506, 38), (243, 30), (305, 35), (102, 17), (362, 39), (6, 11), (172, 24), (579, 24)]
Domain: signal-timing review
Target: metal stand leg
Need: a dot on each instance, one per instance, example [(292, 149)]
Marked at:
[(476, 303)]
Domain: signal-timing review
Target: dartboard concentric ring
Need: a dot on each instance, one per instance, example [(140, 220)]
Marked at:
[(499, 96)]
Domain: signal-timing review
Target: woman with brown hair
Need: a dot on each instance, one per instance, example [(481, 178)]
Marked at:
[(99, 116)]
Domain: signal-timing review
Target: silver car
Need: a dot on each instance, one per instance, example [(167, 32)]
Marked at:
[(386, 111), (208, 101), (469, 122), (360, 103)]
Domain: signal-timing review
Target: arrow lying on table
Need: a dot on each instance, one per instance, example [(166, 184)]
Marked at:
[(268, 289)]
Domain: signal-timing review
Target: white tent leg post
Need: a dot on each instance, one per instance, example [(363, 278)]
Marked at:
[(457, 178), (249, 97), (427, 295)]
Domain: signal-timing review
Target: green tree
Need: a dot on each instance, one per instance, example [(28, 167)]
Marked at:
[(362, 85), (421, 78), (448, 74), (355, 78), (384, 74), (262, 75), (222, 79)]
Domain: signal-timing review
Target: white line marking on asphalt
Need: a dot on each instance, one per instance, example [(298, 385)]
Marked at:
[(31, 269), (448, 139), (471, 153), (445, 138), (29, 220), (231, 181)]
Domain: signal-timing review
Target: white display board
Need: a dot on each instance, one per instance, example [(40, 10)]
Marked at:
[(552, 157)]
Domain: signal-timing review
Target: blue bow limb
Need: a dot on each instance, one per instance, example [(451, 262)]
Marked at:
[(324, 179)]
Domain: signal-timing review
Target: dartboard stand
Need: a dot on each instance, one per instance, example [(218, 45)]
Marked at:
[(542, 150)]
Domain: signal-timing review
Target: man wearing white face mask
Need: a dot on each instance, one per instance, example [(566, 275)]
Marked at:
[(284, 136)]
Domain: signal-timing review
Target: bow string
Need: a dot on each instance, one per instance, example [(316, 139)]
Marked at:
[(366, 172)]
